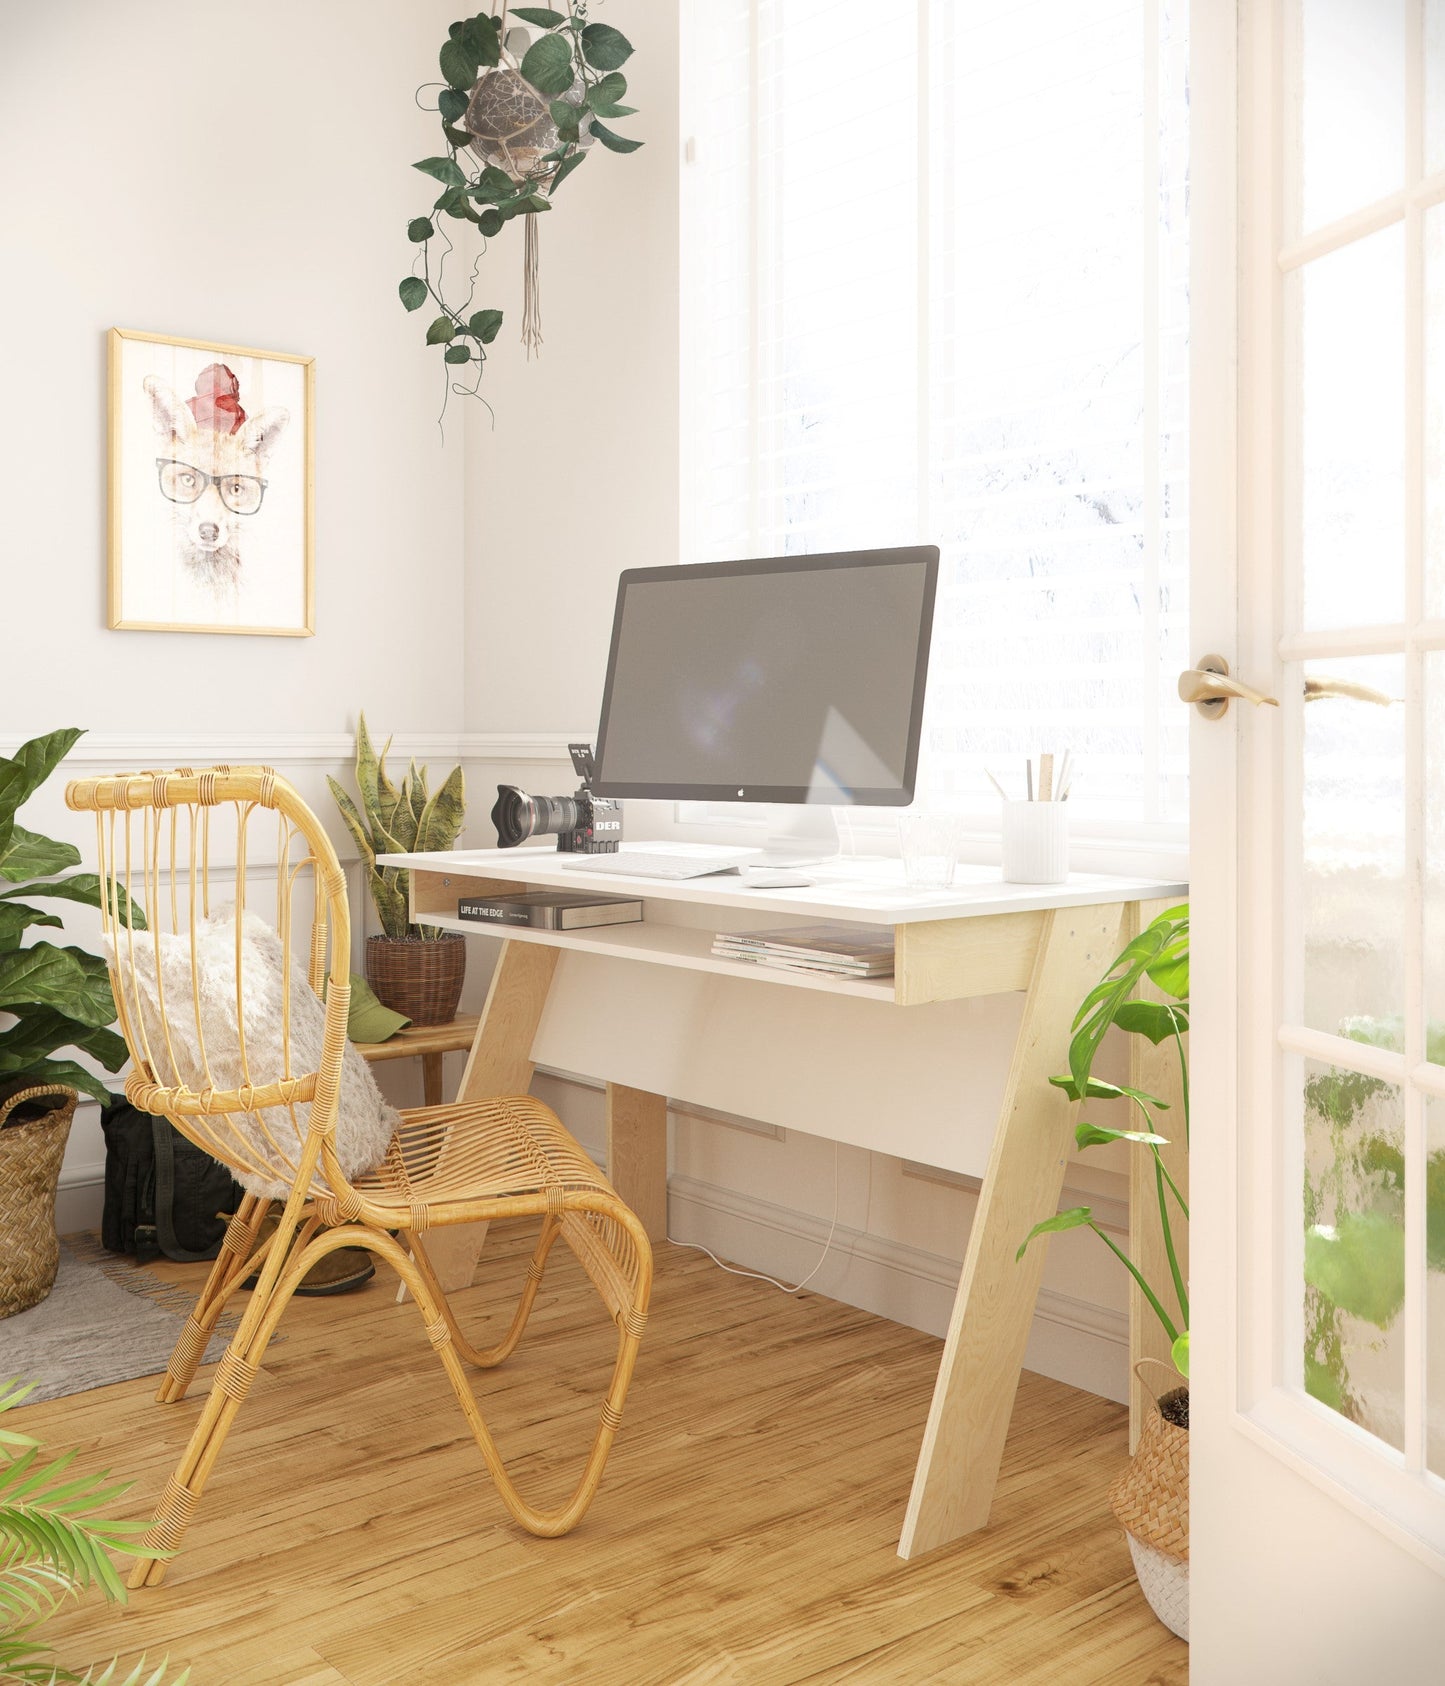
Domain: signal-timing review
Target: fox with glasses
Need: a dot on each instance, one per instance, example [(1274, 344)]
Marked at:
[(212, 471)]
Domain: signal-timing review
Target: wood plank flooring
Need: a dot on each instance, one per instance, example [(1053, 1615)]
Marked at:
[(745, 1533)]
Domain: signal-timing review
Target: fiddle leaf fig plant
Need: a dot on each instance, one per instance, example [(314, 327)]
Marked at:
[(519, 105), (1160, 953), (396, 820), (59, 996)]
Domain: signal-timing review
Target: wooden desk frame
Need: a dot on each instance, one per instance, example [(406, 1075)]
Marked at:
[(1053, 954)]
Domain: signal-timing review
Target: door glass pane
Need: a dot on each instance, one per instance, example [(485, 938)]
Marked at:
[(1434, 86), (1354, 1211), (1352, 439), (1434, 864), (1434, 331), (1435, 1283), (1353, 853), (1352, 98)]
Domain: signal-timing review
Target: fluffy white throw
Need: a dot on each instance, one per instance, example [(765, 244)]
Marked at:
[(365, 1123)]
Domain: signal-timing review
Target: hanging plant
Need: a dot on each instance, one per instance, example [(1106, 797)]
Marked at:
[(519, 110)]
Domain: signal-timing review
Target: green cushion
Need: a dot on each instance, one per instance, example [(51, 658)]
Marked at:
[(368, 1020)]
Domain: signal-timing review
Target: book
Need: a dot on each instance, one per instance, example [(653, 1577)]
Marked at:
[(551, 910), (855, 951), (791, 963)]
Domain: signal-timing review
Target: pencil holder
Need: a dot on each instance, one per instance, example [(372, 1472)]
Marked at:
[(1035, 843)]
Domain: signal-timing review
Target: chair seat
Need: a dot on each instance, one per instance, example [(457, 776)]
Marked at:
[(478, 1150), (445, 1159)]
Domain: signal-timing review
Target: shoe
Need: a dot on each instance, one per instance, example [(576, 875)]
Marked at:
[(337, 1273)]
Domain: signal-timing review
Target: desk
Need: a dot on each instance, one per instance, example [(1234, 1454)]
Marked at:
[(980, 939)]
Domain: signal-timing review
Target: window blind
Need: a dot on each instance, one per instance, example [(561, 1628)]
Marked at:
[(935, 290)]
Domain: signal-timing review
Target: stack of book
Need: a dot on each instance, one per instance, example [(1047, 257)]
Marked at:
[(847, 951)]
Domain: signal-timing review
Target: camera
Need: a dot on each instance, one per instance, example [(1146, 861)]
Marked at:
[(583, 824)]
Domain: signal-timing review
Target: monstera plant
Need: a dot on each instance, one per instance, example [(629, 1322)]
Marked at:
[(520, 106), (59, 995), (416, 970)]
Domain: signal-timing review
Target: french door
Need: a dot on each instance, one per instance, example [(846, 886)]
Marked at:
[(1318, 491)]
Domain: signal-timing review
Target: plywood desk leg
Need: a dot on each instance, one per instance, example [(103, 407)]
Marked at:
[(973, 1397), (637, 1154), (1156, 1072), (500, 1063)]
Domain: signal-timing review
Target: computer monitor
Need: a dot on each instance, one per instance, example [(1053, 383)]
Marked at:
[(795, 679)]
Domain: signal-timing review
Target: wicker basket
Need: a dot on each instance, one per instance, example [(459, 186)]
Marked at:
[(1151, 1501), (417, 977), (34, 1123)]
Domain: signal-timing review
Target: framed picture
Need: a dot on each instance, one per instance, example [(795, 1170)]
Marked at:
[(211, 480)]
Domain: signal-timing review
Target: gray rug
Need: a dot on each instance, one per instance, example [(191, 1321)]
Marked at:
[(105, 1320)]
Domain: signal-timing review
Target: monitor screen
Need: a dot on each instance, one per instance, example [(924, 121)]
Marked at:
[(797, 679)]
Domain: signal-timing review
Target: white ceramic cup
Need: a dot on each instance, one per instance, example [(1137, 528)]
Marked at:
[(1035, 842)]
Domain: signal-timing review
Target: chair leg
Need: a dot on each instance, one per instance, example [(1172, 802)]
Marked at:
[(487, 1358), (226, 1274), (232, 1382), (435, 1316)]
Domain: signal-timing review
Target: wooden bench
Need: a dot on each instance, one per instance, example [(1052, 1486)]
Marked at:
[(428, 1042)]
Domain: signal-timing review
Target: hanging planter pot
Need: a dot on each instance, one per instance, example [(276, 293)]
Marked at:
[(34, 1124), (1151, 1501)]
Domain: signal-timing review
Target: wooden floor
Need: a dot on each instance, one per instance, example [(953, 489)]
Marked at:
[(745, 1531)]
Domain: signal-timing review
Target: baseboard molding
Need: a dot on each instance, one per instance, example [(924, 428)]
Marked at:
[(1072, 1340)]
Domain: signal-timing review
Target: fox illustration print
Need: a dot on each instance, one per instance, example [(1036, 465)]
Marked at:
[(212, 471)]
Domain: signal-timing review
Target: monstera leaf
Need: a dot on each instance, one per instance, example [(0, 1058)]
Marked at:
[(59, 996)]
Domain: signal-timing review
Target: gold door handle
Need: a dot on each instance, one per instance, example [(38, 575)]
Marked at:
[(1210, 688), (1316, 688)]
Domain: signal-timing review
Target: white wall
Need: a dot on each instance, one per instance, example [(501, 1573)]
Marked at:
[(579, 477), (578, 480), (241, 177), (252, 186), (162, 168)]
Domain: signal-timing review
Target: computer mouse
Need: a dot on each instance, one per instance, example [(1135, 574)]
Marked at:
[(776, 878)]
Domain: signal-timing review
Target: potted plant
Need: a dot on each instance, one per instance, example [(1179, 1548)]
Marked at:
[(1151, 1498), (59, 997), (416, 970)]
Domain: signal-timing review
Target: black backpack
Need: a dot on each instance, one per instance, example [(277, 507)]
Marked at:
[(163, 1194)]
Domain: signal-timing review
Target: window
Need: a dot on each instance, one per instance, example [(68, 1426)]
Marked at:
[(935, 289)]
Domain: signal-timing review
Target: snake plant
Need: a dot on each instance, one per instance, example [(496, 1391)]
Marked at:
[(398, 819)]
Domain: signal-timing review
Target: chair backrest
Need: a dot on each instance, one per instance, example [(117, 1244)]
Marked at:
[(196, 851)]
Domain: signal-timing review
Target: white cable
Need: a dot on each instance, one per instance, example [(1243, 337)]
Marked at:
[(760, 1276)]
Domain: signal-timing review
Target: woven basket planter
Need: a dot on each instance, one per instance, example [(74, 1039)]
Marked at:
[(34, 1124), (417, 977), (1151, 1501)]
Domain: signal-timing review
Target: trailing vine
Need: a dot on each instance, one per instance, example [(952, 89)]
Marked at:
[(518, 112)]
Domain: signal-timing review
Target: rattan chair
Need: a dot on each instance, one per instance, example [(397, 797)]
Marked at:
[(465, 1163)]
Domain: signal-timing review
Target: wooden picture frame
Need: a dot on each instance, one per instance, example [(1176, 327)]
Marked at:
[(212, 488)]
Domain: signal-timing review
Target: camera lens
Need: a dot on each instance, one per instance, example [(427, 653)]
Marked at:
[(518, 816)]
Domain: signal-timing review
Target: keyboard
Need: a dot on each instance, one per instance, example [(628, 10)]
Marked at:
[(642, 863)]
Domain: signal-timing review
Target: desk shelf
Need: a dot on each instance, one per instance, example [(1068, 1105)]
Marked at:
[(667, 945)]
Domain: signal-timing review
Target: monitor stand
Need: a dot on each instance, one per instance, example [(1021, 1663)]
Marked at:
[(804, 834)]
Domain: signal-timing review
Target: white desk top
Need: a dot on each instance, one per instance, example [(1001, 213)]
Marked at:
[(868, 890)]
